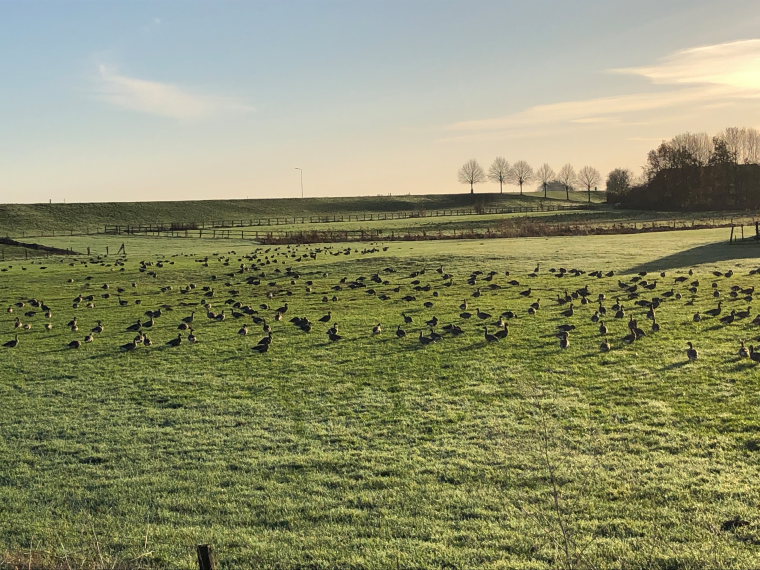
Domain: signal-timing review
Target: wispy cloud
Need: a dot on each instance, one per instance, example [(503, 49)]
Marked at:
[(162, 99), (707, 75)]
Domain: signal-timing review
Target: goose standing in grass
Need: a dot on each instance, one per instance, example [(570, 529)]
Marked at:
[(377, 329), (191, 338), (743, 352), (564, 340), (504, 332), (425, 340), (401, 333), (605, 346), (482, 314), (175, 341), (691, 352), (754, 355), (490, 337), (602, 328), (243, 330), (75, 344), (11, 343)]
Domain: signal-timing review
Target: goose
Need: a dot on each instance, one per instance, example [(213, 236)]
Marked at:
[(605, 346), (432, 322), (146, 341), (175, 341), (377, 329), (98, 328), (189, 319), (655, 326), (697, 317), (691, 352), (595, 317), (131, 345), (401, 333), (482, 314), (18, 324), (716, 311), (278, 316), (569, 312), (75, 344), (89, 338), (564, 341), (463, 305), (526, 293), (602, 328), (754, 355), (326, 318), (504, 332), (261, 348), (334, 336), (243, 330), (425, 340), (434, 335), (728, 319), (283, 309), (266, 340), (743, 352), (12, 343), (135, 327), (490, 337), (407, 319)]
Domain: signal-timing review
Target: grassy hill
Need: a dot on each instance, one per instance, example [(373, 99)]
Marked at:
[(16, 218)]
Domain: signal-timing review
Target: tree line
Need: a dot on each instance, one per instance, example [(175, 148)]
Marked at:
[(521, 173), (695, 171)]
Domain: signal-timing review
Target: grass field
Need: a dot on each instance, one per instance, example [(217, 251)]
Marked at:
[(33, 218), (375, 451)]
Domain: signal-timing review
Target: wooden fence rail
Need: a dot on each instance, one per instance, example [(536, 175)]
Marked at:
[(332, 218)]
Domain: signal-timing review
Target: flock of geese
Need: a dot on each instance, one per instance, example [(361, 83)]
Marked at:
[(413, 292)]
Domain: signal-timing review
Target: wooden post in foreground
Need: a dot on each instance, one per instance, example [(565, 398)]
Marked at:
[(205, 557)]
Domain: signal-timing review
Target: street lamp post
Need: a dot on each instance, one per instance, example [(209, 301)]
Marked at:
[(301, 171)]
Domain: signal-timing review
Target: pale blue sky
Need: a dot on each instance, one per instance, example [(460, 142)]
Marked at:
[(128, 100)]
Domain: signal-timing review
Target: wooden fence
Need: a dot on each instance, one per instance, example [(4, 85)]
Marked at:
[(332, 218), (520, 227)]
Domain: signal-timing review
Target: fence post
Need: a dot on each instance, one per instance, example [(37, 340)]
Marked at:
[(205, 557)]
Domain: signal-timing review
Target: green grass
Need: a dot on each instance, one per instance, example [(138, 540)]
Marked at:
[(375, 452), (35, 218)]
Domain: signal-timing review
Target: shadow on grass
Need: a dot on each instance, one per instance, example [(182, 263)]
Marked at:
[(676, 365), (710, 253)]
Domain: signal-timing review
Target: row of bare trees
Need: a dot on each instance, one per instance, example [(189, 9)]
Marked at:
[(521, 173), (733, 145)]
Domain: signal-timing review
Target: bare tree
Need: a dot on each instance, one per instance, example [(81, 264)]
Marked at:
[(499, 171), (471, 173), (545, 174), (520, 173), (752, 147), (698, 146), (589, 176), (735, 140), (567, 177)]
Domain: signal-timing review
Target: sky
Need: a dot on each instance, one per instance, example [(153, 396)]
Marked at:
[(106, 100)]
